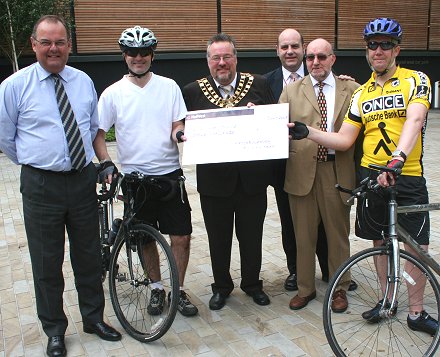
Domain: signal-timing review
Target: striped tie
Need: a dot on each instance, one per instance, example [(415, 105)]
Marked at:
[(228, 91), (73, 135)]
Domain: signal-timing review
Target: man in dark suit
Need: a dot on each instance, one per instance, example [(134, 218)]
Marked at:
[(320, 100), (231, 192), (290, 50)]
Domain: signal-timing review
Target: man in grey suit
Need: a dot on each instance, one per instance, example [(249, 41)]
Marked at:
[(290, 50), (312, 172)]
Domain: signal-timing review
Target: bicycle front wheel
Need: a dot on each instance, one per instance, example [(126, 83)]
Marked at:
[(141, 257), (349, 334)]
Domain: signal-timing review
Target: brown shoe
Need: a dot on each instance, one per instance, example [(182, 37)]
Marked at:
[(339, 301), (299, 302)]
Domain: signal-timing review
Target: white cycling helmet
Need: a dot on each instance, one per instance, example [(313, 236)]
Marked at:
[(138, 37)]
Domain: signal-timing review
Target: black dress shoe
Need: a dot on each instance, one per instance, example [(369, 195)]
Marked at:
[(217, 301), (290, 283), (103, 330), (56, 346), (260, 297)]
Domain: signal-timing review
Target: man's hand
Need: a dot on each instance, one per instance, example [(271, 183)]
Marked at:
[(180, 136), (107, 171), (345, 77), (297, 130), (386, 179)]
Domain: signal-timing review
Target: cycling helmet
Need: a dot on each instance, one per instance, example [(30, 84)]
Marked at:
[(383, 26), (137, 36)]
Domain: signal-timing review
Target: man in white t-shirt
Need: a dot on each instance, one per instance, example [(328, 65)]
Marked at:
[(147, 111)]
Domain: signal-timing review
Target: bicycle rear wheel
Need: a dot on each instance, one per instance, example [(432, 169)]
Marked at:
[(349, 334), (131, 271)]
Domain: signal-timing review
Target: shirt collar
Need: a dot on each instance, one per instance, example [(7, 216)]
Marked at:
[(43, 74), (286, 72), (330, 80), (231, 84)]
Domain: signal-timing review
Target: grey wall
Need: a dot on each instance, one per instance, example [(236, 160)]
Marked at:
[(185, 68)]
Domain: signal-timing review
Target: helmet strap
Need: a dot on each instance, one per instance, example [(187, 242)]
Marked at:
[(385, 71), (137, 74)]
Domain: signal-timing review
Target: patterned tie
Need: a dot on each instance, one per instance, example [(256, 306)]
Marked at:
[(292, 78), (322, 151), (73, 135), (228, 91)]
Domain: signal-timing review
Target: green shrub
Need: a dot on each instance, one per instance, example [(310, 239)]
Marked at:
[(110, 135)]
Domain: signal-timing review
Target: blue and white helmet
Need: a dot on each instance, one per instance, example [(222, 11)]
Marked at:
[(138, 37), (383, 26)]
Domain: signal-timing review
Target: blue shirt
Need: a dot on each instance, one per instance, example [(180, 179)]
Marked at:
[(31, 130)]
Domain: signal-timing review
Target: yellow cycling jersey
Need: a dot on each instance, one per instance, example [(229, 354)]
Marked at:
[(382, 111)]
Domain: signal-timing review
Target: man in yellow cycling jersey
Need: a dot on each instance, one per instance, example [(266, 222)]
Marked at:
[(391, 110)]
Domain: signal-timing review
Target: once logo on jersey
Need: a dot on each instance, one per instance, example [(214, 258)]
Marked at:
[(421, 91), (383, 103)]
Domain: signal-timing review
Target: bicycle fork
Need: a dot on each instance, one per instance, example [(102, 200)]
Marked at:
[(393, 262)]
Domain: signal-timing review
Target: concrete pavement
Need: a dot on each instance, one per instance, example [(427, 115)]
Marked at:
[(241, 328)]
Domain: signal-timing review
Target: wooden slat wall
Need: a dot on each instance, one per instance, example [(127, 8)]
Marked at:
[(187, 25), (412, 15), (257, 24), (178, 25), (434, 31)]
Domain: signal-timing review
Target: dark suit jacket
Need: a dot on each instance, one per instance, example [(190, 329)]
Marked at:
[(301, 165), (221, 179), (275, 80)]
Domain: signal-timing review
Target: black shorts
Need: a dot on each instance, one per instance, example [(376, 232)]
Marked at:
[(372, 214), (169, 217)]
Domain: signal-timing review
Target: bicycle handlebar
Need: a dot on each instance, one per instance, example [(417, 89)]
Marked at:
[(380, 168), (107, 194)]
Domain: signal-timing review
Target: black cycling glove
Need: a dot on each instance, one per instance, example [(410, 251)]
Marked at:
[(106, 168), (179, 135), (299, 131)]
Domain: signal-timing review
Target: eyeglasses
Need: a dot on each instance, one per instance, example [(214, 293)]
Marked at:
[(134, 51), (226, 58), (385, 45), (320, 56), (48, 44)]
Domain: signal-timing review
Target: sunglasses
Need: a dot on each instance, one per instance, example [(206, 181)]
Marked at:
[(385, 45), (133, 52), (320, 56)]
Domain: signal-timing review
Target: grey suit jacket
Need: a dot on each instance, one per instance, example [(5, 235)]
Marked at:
[(301, 164)]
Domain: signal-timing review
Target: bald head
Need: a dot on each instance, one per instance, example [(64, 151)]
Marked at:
[(290, 49), (320, 58)]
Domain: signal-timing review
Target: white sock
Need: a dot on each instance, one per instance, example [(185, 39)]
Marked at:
[(414, 316), (157, 285)]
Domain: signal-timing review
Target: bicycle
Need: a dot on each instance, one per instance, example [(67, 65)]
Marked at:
[(135, 254), (348, 333)]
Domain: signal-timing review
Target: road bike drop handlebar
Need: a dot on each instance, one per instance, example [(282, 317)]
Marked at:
[(368, 184)]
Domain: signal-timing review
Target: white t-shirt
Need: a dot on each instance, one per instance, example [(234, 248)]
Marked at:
[(143, 119)]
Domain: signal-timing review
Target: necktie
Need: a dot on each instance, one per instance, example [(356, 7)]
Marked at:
[(227, 91), (292, 78), (73, 135), (322, 151)]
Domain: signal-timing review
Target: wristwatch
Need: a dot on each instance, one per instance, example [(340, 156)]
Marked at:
[(397, 153)]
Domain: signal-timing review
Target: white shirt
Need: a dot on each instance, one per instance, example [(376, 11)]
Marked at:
[(234, 81), (143, 119), (329, 90), (286, 74)]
